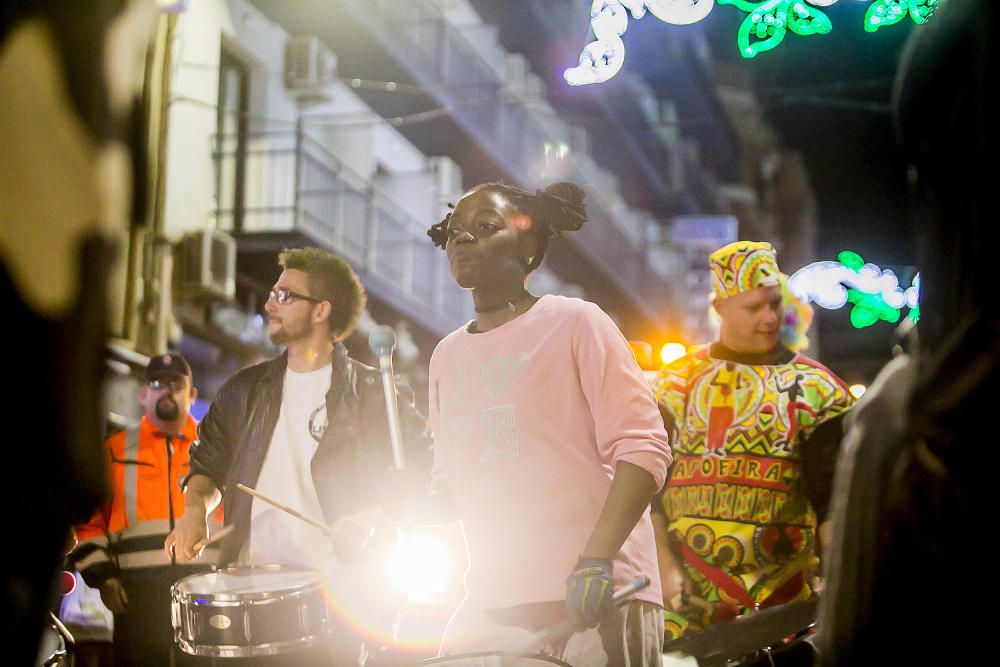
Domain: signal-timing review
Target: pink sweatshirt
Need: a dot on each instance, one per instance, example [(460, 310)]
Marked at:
[(529, 421)]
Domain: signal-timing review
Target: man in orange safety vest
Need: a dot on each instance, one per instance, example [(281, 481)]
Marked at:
[(120, 550)]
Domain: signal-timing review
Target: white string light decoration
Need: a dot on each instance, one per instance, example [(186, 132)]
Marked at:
[(765, 26)]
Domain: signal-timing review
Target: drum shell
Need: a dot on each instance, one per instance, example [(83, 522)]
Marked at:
[(255, 624), (493, 659)]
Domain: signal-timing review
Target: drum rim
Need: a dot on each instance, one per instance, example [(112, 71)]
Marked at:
[(290, 591), (442, 659), (249, 651), (59, 651)]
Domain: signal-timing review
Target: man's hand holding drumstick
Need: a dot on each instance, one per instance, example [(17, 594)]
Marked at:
[(190, 534), (200, 546)]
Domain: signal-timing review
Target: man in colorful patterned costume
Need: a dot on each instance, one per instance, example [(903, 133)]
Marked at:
[(757, 428)]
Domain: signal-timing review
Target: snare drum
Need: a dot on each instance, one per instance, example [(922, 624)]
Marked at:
[(489, 659), (243, 612)]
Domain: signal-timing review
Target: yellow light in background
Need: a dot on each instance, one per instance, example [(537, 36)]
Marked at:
[(643, 352), (671, 352), (858, 390)]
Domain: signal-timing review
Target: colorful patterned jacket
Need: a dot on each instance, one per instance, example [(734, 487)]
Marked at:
[(755, 445)]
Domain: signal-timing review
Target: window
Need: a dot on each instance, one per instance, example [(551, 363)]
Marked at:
[(231, 141)]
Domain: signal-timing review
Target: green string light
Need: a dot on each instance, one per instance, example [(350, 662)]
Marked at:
[(869, 309), (851, 260), (767, 23), (765, 26), (874, 294), (889, 12)]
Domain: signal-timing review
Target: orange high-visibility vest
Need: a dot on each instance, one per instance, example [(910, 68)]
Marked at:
[(145, 467)]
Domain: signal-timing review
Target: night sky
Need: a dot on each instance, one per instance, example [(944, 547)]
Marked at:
[(827, 96)]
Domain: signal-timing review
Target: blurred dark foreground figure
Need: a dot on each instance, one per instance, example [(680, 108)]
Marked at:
[(909, 559), (64, 190)]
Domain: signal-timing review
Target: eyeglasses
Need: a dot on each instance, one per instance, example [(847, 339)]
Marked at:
[(173, 384), (286, 296)]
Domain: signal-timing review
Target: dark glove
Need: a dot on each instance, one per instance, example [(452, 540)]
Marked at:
[(588, 592)]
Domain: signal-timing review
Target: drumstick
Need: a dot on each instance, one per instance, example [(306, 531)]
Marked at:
[(219, 534), (285, 508), (566, 627)]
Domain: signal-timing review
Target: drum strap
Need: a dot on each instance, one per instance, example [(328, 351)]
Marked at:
[(717, 576), (132, 477), (726, 583)]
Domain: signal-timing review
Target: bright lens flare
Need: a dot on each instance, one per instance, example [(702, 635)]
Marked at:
[(421, 566), (858, 390), (671, 352)]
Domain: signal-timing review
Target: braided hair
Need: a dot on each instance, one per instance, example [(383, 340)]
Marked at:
[(556, 209)]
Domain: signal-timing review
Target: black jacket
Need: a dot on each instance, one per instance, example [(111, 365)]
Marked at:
[(352, 457)]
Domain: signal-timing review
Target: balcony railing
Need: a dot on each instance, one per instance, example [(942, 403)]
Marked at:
[(513, 128), (456, 69), (293, 184)]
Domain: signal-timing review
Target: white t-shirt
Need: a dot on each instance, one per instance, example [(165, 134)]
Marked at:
[(275, 536)]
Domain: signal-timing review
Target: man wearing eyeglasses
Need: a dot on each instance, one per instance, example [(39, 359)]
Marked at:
[(308, 429), (119, 551)]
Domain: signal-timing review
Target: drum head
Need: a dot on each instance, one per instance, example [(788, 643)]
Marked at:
[(488, 659), (246, 583)]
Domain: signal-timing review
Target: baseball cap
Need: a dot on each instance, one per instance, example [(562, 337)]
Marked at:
[(171, 363)]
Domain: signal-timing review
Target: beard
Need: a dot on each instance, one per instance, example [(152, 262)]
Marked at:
[(287, 332), (167, 409)]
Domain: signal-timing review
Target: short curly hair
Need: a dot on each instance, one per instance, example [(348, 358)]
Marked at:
[(330, 279)]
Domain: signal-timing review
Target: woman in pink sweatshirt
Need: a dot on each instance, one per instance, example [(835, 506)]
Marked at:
[(547, 442)]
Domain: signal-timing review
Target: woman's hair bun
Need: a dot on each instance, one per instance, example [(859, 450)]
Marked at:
[(563, 206)]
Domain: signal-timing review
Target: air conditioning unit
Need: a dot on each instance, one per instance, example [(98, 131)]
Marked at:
[(310, 69), (207, 271), (448, 176)]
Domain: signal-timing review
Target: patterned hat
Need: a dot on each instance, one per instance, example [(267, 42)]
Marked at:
[(798, 316), (741, 267)]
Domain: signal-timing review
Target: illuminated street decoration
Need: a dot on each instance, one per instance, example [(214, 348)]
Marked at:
[(913, 299), (874, 293), (679, 12), (869, 309), (888, 12), (604, 57), (765, 26), (767, 22)]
